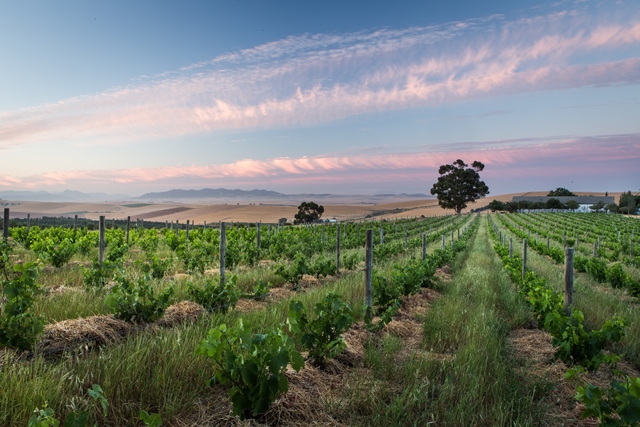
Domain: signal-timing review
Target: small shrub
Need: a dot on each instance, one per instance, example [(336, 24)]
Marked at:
[(216, 296), (19, 326), (45, 417), (155, 266), (293, 273), (323, 267), (618, 405), (385, 293), (580, 263), (57, 253), (261, 291), (322, 335), (597, 269), (350, 261), (617, 277), (98, 276), (254, 365), (575, 346), (135, 301)]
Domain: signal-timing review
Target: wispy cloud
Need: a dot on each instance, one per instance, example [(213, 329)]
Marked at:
[(536, 157), (311, 79)]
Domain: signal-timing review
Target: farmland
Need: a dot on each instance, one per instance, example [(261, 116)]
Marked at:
[(455, 334)]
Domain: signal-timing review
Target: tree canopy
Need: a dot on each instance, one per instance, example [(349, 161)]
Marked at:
[(573, 205), (560, 192), (459, 184), (308, 212), (553, 203), (598, 206)]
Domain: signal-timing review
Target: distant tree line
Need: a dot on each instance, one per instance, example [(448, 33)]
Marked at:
[(628, 203)]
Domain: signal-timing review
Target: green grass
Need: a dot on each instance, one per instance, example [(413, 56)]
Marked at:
[(155, 370), (474, 381)]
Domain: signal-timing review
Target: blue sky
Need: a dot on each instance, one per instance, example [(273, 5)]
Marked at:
[(340, 97)]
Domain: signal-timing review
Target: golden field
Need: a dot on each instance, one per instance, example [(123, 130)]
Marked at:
[(266, 212)]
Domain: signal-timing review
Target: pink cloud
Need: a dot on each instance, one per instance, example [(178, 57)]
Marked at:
[(533, 158)]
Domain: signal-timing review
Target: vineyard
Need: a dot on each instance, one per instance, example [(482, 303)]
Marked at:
[(406, 322)]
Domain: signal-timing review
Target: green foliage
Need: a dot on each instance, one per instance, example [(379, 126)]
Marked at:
[(459, 185), (554, 203), (597, 269), (561, 192), (322, 336), (98, 276), (216, 296), (573, 205), (618, 405), (617, 277), (634, 288), (86, 242), (575, 346), (254, 365), (155, 266), (19, 326), (57, 253), (148, 240), (580, 263), (116, 253), (150, 419), (543, 300), (385, 293), (322, 267), (386, 301), (350, 261), (19, 234), (598, 207), (496, 205), (45, 417), (294, 272), (135, 301), (261, 291), (414, 275), (196, 256), (308, 212)]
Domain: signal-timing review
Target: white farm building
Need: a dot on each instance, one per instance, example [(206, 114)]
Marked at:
[(585, 202)]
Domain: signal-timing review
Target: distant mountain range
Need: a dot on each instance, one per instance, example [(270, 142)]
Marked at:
[(223, 193), (211, 193), (178, 194), (65, 196)]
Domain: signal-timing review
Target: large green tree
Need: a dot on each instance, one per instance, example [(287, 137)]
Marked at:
[(628, 202), (554, 203), (308, 212), (560, 192), (497, 205), (459, 184)]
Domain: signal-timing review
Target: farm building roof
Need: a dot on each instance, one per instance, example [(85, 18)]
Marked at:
[(581, 200)]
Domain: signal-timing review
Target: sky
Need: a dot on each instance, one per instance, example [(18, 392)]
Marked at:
[(357, 97)]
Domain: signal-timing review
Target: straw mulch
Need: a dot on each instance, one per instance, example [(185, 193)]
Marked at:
[(309, 281), (85, 334), (182, 312), (81, 334), (444, 274)]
